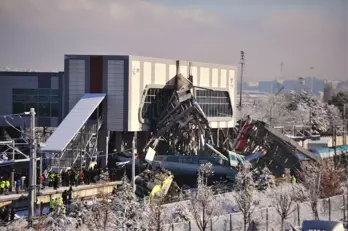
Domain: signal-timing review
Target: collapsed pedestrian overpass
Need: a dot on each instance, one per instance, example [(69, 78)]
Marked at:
[(75, 139)]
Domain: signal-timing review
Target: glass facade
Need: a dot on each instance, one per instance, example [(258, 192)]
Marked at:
[(155, 101), (45, 101), (214, 103)]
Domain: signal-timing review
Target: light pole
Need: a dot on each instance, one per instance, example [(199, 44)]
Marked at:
[(32, 168), (133, 159), (242, 62)]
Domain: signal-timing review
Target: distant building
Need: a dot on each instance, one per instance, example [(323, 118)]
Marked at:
[(328, 91), (20, 91)]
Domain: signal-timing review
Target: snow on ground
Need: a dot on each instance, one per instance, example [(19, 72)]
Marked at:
[(91, 217)]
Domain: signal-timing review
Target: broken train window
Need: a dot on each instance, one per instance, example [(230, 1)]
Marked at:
[(155, 101), (214, 103)]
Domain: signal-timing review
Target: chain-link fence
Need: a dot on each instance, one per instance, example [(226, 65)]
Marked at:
[(334, 208)]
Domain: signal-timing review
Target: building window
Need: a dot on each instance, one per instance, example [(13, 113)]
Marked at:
[(214, 103), (45, 101), (155, 101)]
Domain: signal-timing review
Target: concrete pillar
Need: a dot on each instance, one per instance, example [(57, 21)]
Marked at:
[(103, 142)]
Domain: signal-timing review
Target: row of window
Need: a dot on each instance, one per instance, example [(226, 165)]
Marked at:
[(39, 91), (41, 109), (36, 99), (155, 102), (213, 103), (45, 101), (196, 160)]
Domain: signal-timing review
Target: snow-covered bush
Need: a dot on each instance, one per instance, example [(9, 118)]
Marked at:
[(294, 109)]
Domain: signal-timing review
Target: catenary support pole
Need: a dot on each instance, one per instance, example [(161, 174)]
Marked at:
[(242, 62), (13, 171), (32, 168), (107, 148), (41, 160), (133, 159)]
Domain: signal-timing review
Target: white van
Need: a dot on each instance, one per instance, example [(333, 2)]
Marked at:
[(318, 225)]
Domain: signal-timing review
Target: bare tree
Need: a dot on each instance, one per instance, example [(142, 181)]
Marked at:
[(284, 202), (127, 210), (156, 216), (202, 202), (310, 177), (322, 180), (245, 194), (332, 176)]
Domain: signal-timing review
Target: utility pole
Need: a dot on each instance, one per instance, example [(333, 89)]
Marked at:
[(311, 95), (133, 159), (32, 168), (13, 170), (345, 123), (242, 62)]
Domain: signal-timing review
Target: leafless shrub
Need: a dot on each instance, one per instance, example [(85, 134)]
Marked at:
[(156, 216), (310, 177), (284, 201), (245, 194), (202, 202)]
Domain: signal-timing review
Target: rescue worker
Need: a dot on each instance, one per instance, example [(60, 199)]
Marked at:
[(18, 185), (2, 185), (42, 180), (12, 214), (293, 179), (81, 177), (55, 180), (65, 197), (50, 180), (6, 214), (77, 176), (63, 210), (60, 205), (52, 205), (7, 186)]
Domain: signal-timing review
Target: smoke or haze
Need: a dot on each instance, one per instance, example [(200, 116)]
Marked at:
[(302, 33)]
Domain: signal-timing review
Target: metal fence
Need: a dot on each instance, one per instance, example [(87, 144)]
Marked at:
[(334, 208)]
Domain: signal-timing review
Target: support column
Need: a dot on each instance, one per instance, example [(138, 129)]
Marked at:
[(107, 148), (103, 142), (217, 138), (134, 143), (32, 169)]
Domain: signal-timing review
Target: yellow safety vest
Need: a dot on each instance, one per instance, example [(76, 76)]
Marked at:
[(7, 184), (52, 204), (60, 202), (2, 184)]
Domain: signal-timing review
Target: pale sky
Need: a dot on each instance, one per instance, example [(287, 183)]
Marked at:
[(36, 34)]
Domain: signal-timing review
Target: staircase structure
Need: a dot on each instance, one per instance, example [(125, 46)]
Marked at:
[(75, 139)]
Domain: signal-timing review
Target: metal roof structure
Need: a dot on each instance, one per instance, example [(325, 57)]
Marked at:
[(73, 122)]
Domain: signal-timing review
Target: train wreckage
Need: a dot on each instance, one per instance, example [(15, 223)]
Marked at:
[(182, 140)]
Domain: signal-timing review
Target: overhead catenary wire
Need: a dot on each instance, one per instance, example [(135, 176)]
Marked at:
[(110, 154)]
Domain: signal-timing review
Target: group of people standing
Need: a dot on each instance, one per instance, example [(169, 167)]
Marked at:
[(21, 183), (60, 204), (5, 185), (78, 177)]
